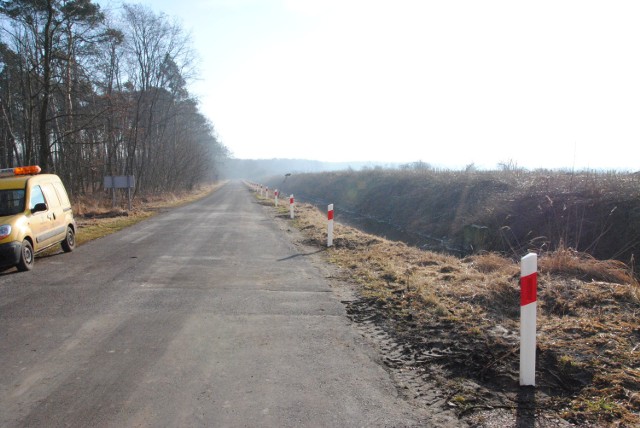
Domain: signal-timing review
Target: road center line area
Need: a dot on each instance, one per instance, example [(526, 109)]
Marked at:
[(200, 316)]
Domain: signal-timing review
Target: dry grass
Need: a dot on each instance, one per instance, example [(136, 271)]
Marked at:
[(568, 262), (100, 205), (589, 336), (96, 218), (508, 211)]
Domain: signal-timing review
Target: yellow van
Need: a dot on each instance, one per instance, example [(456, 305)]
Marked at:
[(35, 214)]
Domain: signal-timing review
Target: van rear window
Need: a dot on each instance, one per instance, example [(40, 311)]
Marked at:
[(11, 202)]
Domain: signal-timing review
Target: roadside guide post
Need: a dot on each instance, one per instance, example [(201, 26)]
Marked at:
[(291, 202), (330, 225), (275, 197), (528, 309)]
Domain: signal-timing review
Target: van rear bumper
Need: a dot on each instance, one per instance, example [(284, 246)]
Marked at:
[(10, 253)]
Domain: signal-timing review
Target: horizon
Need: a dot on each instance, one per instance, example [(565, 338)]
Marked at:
[(428, 166), (545, 85)]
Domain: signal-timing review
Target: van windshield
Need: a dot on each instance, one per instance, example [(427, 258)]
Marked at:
[(11, 202)]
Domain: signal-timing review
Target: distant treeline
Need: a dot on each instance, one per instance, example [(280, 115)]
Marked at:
[(511, 211), (86, 94), (262, 169)]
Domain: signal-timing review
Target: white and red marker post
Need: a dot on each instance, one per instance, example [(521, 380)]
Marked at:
[(291, 202), (275, 197), (330, 225), (528, 309)]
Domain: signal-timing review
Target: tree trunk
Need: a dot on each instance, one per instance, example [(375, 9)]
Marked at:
[(45, 150)]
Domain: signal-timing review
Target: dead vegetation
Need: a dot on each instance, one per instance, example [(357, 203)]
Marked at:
[(460, 318), (97, 217), (509, 211)]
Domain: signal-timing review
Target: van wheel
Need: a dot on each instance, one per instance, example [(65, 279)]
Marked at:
[(26, 257), (69, 242)]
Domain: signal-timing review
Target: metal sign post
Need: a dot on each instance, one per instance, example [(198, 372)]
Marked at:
[(120, 182)]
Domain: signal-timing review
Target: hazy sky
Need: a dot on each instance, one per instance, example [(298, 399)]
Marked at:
[(541, 83)]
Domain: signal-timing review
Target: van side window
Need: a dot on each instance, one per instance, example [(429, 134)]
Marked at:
[(62, 194), (36, 197), (51, 195)]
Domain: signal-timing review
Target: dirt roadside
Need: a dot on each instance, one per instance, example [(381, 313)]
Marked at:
[(450, 339)]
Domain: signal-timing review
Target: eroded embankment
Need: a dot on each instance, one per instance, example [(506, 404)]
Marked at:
[(467, 212)]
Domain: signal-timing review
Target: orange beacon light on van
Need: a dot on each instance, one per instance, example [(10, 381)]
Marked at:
[(20, 170)]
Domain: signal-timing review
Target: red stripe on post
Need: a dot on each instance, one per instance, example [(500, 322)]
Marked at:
[(528, 289), (330, 215)]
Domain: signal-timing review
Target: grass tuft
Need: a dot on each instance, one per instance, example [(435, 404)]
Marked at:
[(568, 262)]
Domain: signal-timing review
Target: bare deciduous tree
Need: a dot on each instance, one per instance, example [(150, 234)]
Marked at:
[(85, 98)]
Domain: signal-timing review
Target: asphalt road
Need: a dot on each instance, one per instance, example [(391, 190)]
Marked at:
[(206, 315)]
